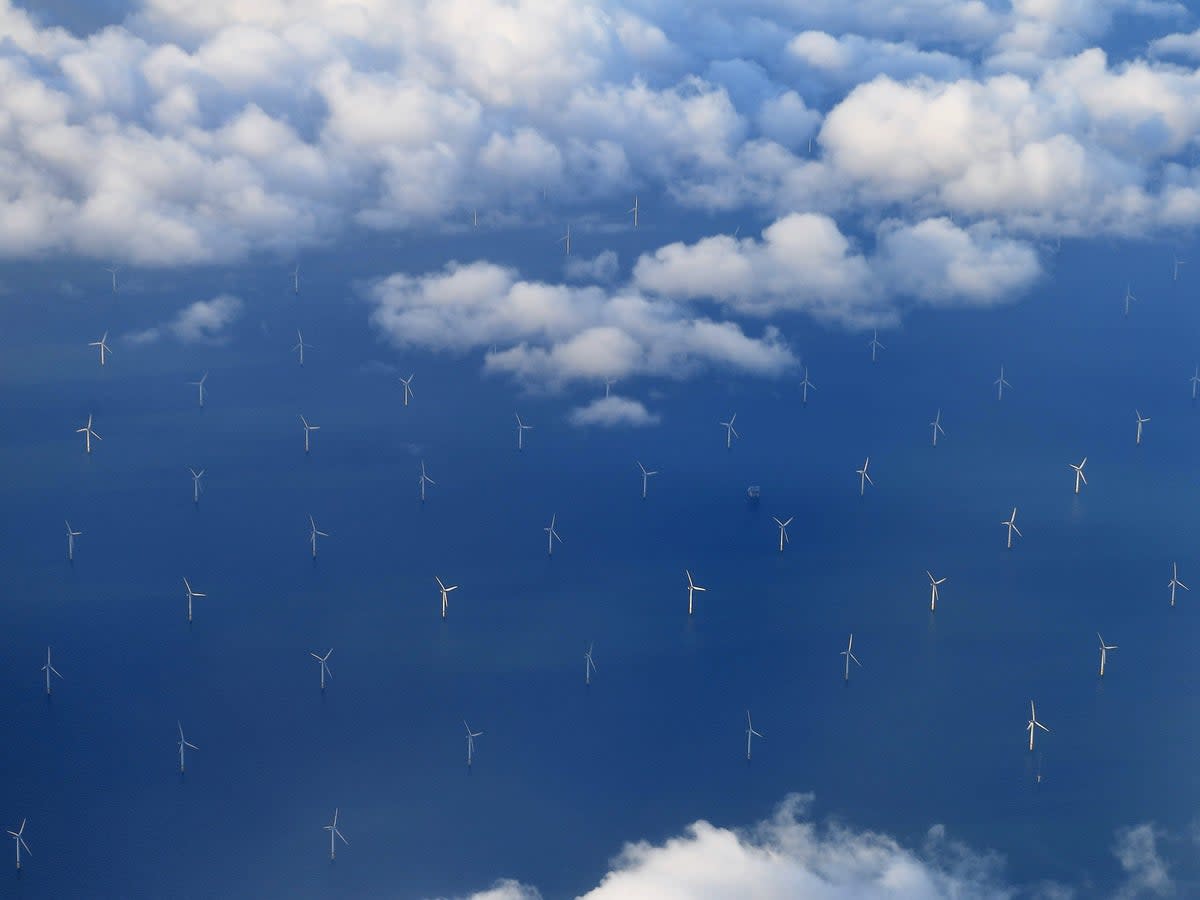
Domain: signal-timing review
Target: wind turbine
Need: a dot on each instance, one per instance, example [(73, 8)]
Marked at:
[(200, 385), (71, 535), (1034, 723), (933, 589), (1140, 422), (608, 383), (471, 735), (1128, 298), (103, 345), (445, 593), (750, 734), (805, 386), (424, 480), (191, 595), (408, 391), (113, 271), (783, 538), (551, 534), (475, 217), (692, 588), (296, 279), (864, 477), (1178, 262), (1079, 476), (308, 428), (589, 665), (313, 534), (300, 345), (17, 836), (634, 209), (334, 833), (645, 477), (730, 431), (1175, 582), (88, 434), (849, 654), (1195, 379), (196, 476), (521, 429), (49, 670), (1104, 648), (183, 742), (324, 661), (566, 239), (937, 427), (1011, 522), (1001, 384), (875, 345)]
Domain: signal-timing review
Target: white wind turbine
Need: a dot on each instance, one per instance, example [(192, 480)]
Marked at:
[(424, 480), (88, 433), (307, 429), (608, 383), (200, 386), (1011, 522), (324, 661), (301, 346), (750, 734), (471, 735), (112, 270), (849, 654), (1175, 269), (445, 593), (1104, 648), (334, 833), (783, 537), (806, 386), (71, 535), (864, 477), (196, 476), (566, 239), (1079, 476), (1195, 380), (49, 670), (1140, 422), (589, 665), (296, 279), (730, 431), (692, 588), (183, 743), (1034, 723), (1128, 298), (646, 473), (313, 534), (521, 429), (1001, 384), (875, 345), (1175, 582), (103, 345), (937, 427), (20, 841), (634, 209), (551, 534), (933, 589), (408, 391), (191, 595)]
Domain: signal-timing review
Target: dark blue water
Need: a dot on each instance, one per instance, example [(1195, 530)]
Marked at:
[(929, 730)]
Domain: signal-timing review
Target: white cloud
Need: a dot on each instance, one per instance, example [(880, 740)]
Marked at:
[(1177, 45), (1137, 852), (507, 889), (602, 267), (851, 58), (613, 411), (204, 321)]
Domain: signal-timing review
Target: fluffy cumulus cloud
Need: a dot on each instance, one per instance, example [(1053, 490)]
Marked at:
[(205, 321), (613, 411), (1136, 849)]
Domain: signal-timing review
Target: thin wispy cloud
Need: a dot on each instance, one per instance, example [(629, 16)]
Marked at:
[(205, 321), (612, 412)]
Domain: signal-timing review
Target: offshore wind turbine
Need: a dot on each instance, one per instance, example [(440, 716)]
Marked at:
[(634, 209), (750, 734), (608, 383), (408, 391), (49, 670), (1034, 723), (1140, 422), (1104, 648), (730, 431), (864, 477), (307, 429), (88, 433), (200, 385), (1195, 379), (783, 538), (933, 589), (1011, 522), (20, 841), (1001, 384), (566, 240), (112, 270), (191, 595), (1175, 270), (183, 743), (849, 654), (1079, 476), (937, 427), (324, 661), (646, 473), (805, 386), (196, 476), (300, 346), (313, 534), (424, 480), (551, 534), (521, 429), (692, 588), (445, 593), (334, 833), (296, 279), (1128, 298), (471, 735), (103, 345), (589, 665), (71, 535), (1175, 582), (875, 345)]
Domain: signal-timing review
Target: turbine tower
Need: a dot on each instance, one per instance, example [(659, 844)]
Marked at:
[(301, 346), (1011, 522), (750, 734), (521, 429), (1034, 723), (1175, 269), (103, 345), (296, 280), (634, 209), (1195, 380), (1128, 298), (191, 595), (937, 427), (589, 665), (1104, 648), (864, 477), (313, 534), (88, 433), (1001, 384), (730, 431), (408, 391), (1079, 476), (112, 270), (875, 345), (933, 589), (445, 593), (196, 476), (1141, 420), (471, 735), (805, 387), (324, 661), (71, 535), (645, 477), (783, 537), (17, 835), (200, 386), (849, 654), (424, 480), (551, 534), (334, 833), (566, 240), (307, 430), (49, 670), (692, 588), (1175, 582), (183, 743)]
